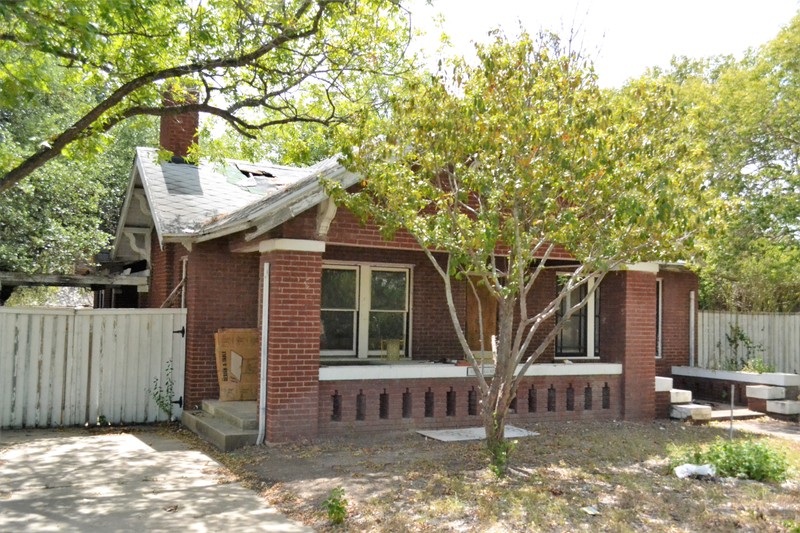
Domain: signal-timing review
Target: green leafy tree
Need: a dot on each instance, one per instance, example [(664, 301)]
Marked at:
[(492, 167), (63, 213), (747, 111), (254, 65)]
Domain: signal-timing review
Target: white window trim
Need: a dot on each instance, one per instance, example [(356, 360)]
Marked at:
[(590, 323), (660, 317), (364, 271)]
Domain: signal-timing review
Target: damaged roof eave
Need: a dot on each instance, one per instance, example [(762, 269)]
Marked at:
[(272, 214)]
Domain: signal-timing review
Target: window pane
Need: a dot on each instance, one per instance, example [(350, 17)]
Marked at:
[(384, 326), (338, 288), (388, 290), (337, 330), (572, 338)]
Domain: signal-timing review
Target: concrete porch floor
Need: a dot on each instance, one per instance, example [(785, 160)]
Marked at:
[(226, 425)]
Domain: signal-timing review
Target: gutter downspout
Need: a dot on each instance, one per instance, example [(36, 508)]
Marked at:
[(262, 388), (691, 328)]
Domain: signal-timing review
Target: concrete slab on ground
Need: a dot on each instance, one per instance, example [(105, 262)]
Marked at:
[(452, 435), (75, 481)]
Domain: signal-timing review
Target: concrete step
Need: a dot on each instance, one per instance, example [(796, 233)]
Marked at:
[(783, 407), (217, 431), (677, 396), (739, 413), (243, 415), (766, 392), (696, 412), (663, 384)]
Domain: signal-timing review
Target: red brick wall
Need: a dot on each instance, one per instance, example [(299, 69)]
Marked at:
[(543, 292), (394, 389), (222, 292), (293, 345), (166, 270), (676, 287), (627, 313)]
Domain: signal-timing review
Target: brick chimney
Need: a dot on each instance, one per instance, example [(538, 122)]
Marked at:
[(178, 132)]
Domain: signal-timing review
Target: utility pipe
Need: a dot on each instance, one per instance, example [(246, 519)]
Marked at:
[(691, 329), (262, 388)]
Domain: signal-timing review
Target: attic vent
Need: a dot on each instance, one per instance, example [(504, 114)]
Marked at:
[(252, 171)]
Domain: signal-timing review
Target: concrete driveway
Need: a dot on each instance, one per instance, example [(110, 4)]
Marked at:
[(75, 481)]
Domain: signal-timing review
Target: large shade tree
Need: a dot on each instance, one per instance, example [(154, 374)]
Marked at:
[(64, 212), (493, 166), (254, 65), (747, 111)]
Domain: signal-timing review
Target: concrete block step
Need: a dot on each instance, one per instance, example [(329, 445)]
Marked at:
[(783, 407), (696, 412), (766, 392), (243, 415), (663, 384), (217, 431), (739, 413), (680, 396)]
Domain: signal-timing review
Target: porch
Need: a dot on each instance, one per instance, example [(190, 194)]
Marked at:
[(413, 395)]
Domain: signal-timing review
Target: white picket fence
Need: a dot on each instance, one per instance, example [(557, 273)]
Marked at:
[(66, 367), (776, 334)]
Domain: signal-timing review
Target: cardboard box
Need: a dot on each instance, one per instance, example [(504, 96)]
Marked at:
[(237, 354)]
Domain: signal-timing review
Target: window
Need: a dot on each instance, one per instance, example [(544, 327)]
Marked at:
[(364, 310), (581, 332), (659, 315)]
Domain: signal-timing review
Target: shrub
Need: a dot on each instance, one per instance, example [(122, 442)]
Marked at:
[(336, 506), (746, 459)]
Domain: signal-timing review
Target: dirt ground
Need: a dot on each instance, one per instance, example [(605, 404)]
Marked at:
[(587, 476)]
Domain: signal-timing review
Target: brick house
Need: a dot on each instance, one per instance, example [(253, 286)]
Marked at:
[(354, 328)]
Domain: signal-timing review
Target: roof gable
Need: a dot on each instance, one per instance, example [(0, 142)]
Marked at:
[(185, 202)]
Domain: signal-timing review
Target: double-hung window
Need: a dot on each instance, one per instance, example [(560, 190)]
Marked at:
[(580, 334), (364, 310)]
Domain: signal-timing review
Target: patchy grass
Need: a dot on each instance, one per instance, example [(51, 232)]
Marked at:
[(404, 482)]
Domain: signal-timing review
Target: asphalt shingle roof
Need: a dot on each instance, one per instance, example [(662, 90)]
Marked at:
[(186, 200)]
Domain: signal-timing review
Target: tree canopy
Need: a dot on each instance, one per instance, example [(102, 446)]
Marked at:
[(747, 111), (64, 212), (254, 65), (497, 164)]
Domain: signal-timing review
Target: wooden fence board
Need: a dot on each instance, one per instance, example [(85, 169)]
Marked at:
[(69, 367), (776, 338)]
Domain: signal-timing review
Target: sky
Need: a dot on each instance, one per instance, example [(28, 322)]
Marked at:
[(624, 36)]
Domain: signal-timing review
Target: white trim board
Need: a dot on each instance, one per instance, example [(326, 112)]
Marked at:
[(774, 378), (436, 370)]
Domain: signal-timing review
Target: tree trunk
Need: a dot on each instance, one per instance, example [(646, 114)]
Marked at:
[(496, 404)]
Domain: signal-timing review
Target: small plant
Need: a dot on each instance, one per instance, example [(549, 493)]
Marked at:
[(745, 459), (757, 366), (742, 349), (336, 506), (791, 526), (499, 457), (162, 395)]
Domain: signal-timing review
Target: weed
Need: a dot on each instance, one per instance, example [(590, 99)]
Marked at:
[(336, 506), (744, 351), (757, 366), (746, 459), (162, 395), (498, 457), (791, 526)]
